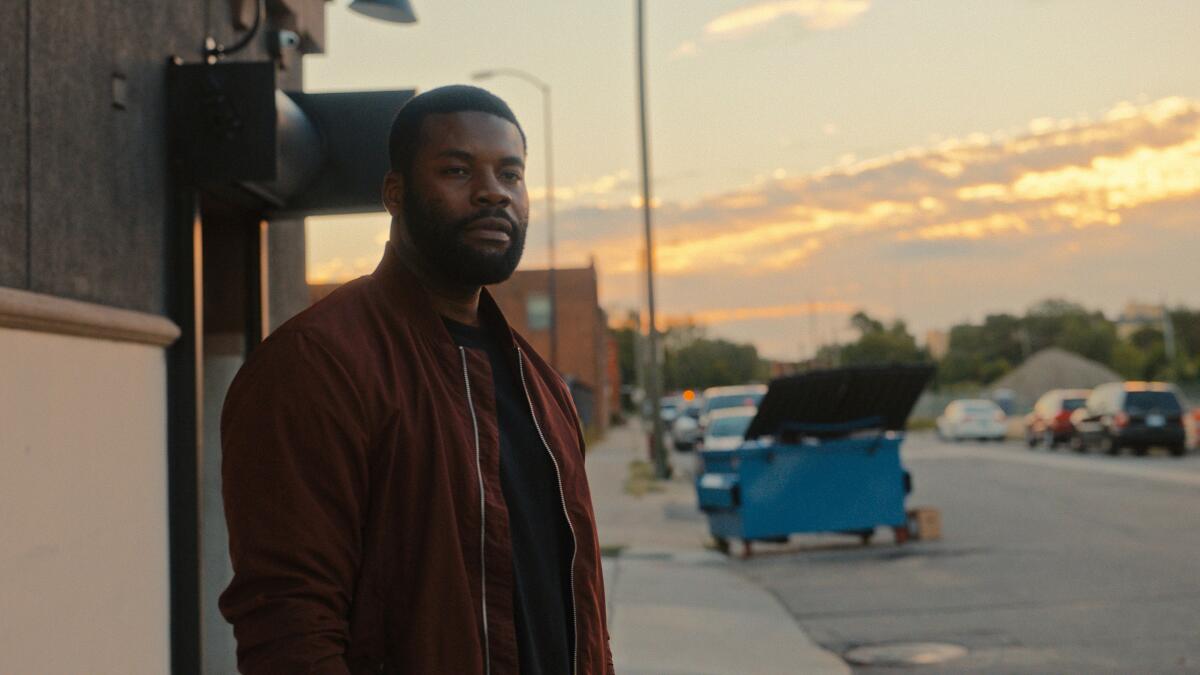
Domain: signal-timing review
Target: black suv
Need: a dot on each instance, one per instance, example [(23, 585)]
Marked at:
[(1134, 415)]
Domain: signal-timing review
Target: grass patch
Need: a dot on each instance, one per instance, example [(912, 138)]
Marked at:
[(921, 423), (592, 436), (641, 479), (611, 551)]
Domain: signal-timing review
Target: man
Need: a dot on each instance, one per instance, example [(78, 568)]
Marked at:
[(403, 475)]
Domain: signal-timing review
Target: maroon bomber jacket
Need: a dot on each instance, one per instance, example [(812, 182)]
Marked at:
[(361, 474)]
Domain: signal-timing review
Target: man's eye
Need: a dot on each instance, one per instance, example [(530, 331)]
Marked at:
[(455, 171), (511, 176)]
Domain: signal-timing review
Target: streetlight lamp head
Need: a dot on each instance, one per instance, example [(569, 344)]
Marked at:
[(395, 11)]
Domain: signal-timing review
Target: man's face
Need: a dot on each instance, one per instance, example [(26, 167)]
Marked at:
[(465, 202)]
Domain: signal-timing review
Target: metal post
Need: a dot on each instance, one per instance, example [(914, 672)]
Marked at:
[(185, 423), (653, 377), (1168, 331)]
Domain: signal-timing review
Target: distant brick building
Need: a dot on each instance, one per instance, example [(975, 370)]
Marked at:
[(938, 343), (583, 350), (1138, 315), (586, 355)]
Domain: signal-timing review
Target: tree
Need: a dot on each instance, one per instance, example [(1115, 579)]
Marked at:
[(701, 362), (1070, 326), (691, 360), (626, 339), (864, 324), (1128, 360), (879, 344), (986, 352)]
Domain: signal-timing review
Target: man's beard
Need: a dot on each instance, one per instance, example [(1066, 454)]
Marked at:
[(440, 241)]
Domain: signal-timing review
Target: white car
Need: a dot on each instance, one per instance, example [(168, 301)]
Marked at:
[(975, 418), (719, 398), (685, 430), (727, 428)]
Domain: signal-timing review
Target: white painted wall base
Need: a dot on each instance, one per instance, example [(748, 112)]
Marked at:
[(84, 576)]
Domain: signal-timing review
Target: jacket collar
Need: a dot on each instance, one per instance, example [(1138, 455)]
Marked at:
[(409, 302)]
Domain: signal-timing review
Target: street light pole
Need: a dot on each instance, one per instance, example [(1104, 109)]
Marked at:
[(551, 285), (662, 469)]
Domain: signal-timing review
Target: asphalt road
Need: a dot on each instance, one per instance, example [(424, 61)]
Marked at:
[(1049, 563)]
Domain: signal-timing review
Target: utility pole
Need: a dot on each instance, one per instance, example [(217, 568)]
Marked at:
[(1168, 331), (662, 469)]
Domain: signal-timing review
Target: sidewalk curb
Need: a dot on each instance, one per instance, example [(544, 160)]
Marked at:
[(676, 607), (674, 612)]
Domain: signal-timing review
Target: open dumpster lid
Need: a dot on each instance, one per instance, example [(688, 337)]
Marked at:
[(827, 403)]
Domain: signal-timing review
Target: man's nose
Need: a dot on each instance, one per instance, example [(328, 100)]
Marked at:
[(490, 192)]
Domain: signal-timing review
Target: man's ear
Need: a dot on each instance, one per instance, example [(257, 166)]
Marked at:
[(393, 193)]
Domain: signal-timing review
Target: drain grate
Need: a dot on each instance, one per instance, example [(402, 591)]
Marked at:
[(905, 654)]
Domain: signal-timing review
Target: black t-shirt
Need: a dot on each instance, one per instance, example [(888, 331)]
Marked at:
[(541, 539)]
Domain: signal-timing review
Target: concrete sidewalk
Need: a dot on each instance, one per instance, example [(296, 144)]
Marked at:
[(674, 606)]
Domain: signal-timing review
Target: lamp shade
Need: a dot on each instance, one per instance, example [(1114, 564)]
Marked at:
[(396, 11)]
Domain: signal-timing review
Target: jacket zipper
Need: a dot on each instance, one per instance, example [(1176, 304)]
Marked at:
[(563, 499), (487, 655)]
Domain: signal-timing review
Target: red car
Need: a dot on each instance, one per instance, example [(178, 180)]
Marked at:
[(1050, 422)]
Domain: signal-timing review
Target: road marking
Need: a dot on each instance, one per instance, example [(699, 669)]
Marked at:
[(1178, 476)]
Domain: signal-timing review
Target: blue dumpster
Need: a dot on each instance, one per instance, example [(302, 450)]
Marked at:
[(821, 455)]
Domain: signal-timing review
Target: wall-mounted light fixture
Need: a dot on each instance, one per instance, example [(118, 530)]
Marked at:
[(395, 11)]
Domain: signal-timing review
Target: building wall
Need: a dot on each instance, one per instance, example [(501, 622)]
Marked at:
[(613, 367), (84, 183), (85, 215), (14, 173), (83, 503), (94, 217)]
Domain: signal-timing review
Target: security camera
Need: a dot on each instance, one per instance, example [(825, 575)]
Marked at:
[(279, 41)]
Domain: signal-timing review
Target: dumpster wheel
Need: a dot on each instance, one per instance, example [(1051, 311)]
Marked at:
[(722, 544)]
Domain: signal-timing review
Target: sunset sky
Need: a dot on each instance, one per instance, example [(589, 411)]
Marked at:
[(933, 160)]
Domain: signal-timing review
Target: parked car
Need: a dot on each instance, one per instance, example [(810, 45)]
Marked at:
[(1050, 422), (718, 398), (685, 430), (1136, 415), (668, 408), (974, 418), (727, 428)]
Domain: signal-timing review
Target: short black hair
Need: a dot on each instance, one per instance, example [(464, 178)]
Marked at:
[(406, 128)]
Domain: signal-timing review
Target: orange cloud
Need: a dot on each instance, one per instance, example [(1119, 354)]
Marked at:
[(711, 317), (930, 218), (336, 270), (1069, 174)]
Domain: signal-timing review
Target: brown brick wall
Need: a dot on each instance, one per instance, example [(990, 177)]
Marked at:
[(582, 331)]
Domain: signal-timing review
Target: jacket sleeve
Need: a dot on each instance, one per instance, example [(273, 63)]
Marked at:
[(294, 472)]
